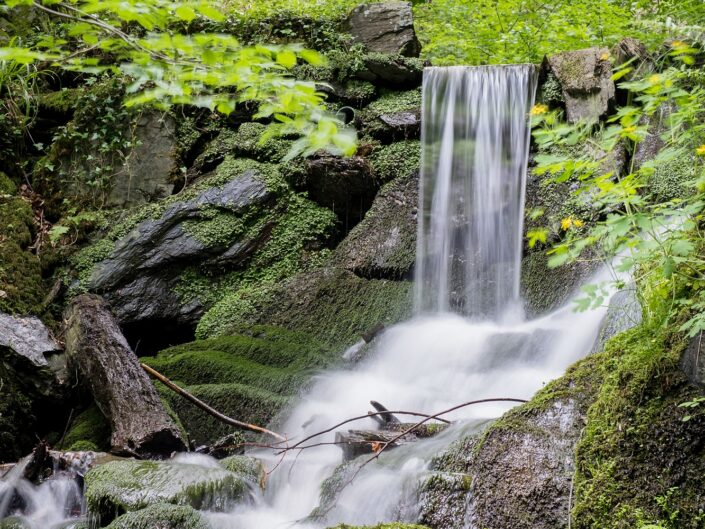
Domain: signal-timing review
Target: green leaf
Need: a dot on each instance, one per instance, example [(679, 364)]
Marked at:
[(286, 58), (185, 13)]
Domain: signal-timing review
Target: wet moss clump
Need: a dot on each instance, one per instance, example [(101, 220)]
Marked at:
[(349, 305), (118, 487), (90, 430), (163, 516), (638, 462), (250, 376)]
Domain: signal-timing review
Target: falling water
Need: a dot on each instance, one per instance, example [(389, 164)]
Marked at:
[(475, 148)]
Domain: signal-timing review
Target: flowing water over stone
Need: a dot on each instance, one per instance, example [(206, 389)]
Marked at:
[(475, 154)]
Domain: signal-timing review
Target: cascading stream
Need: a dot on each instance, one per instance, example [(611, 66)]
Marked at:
[(475, 150), (461, 346)]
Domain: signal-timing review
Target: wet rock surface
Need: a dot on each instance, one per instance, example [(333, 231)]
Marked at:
[(27, 337), (387, 27), (383, 245)]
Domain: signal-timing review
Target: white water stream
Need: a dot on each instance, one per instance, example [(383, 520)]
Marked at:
[(468, 342)]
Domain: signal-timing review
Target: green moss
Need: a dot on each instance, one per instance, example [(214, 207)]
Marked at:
[(7, 186), (394, 525), (239, 401), (391, 102), (89, 427), (349, 305), (163, 516), (250, 375), (117, 487), (21, 287), (246, 466), (397, 159), (252, 140), (64, 101), (670, 179), (635, 447), (292, 246)]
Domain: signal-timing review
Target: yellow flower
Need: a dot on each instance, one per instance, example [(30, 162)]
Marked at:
[(654, 79), (678, 44), (700, 150), (539, 109), (605, 56), (570, 222)]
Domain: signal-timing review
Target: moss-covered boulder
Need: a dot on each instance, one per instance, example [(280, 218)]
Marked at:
[(161, 516), (638, 461), (349, 305), (88, 431), (118, 487), (250, 376), (242, 227)]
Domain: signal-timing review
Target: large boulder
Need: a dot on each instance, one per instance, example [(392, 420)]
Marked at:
[(161, 516), (386, 27), (383, 245), (585, 77), (517, 473), (344, 185), (31, 393)]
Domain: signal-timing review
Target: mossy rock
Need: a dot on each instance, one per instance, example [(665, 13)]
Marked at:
[(638, 461), (118, 487), (246, 466), (250, 141), (398, 159), (349, 305), (89, 431), (544, 289), (161, 516), (239, 401), (14, 522), (672, 179)]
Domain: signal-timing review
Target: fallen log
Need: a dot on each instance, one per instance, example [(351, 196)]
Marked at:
[(97, 349), (205, 407)]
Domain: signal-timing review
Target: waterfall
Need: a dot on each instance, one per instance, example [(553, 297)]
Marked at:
[(475, 148), (475, 141)]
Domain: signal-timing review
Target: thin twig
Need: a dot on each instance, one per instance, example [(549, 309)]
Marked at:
[(205, 407)]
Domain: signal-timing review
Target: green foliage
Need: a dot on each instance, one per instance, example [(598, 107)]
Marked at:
[(654, 229), (168, 65)]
